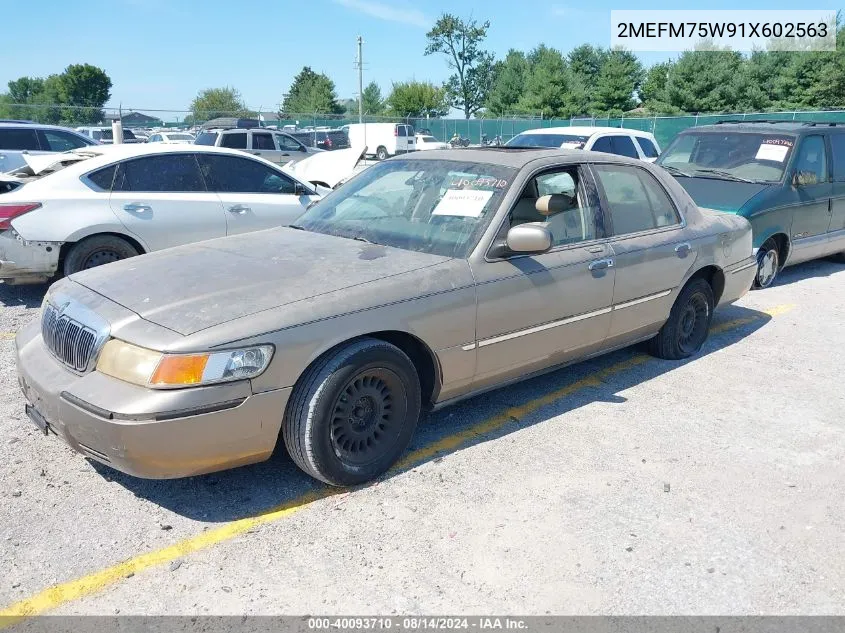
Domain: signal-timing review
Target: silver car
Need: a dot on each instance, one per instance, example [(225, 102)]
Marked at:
[(421, 281)]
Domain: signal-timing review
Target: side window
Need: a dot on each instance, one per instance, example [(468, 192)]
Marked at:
[(287, 143), (262, 140), (58, 141), (603, 144), (401, 130), (235, 140), (168, 172), (837, 144), (811, 163), (566, 212), (18, 138), (103, 178), (624, 146), (649, 150), (229, 174), (635, 199)]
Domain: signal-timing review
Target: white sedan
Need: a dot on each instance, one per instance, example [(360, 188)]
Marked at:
[(95, 205), (183, 138), (425, 141)]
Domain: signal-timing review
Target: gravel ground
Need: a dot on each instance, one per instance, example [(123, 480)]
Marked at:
[(652, 487)]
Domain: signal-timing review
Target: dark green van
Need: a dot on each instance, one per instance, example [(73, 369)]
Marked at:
[(787, 178)]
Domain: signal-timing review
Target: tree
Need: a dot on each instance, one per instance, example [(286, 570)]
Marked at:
[(509, 83), (706, 81), (217, 102), (417, 99), (310, 93), (459, 41), (547, 84), (85, 87), (617, 82), (372, 101), (653, 87), (23, 90), (585, 64)]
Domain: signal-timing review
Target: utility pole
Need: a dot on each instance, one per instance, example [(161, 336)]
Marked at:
[(360, 65)]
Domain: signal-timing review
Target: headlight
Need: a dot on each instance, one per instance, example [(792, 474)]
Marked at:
[(148, 368)]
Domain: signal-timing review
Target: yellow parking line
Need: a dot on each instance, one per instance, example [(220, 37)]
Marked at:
[(60, 594)]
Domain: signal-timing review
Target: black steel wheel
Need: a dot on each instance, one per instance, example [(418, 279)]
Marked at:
[(688, 324), (353, 412), (96, 251)]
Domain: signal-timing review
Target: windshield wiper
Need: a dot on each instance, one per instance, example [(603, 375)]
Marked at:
[(296, 227), (676, 172), (721, 173), (362, 239)]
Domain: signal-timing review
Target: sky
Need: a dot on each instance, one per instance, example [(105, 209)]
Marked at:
[(160, 53)]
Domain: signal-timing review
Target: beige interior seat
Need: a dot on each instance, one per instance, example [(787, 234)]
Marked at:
[(562, 217), (525, 209)]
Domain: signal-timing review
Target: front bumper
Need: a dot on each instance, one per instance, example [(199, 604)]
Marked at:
[(156, 434), (738, 279), (27, 262)]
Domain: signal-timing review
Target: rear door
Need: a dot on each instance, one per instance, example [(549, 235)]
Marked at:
[(651, 253), (810, 200), (290, 149), (163, 200), (255, 196), (263, 144)]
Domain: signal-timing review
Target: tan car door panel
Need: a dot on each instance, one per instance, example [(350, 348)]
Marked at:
[(541, 310)]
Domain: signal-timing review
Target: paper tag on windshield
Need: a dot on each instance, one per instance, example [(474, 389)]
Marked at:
[(571, 145), (772, 152), (463, 202)]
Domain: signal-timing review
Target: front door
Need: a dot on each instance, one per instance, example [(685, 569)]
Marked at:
[(163, 200), (810, 199), (263, 145), (651, 255), (255, 196), (535, 311)]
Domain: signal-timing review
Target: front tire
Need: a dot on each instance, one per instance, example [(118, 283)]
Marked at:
[(768, 264), (96, 251), (381, 152), (353, 412), (685, 331)]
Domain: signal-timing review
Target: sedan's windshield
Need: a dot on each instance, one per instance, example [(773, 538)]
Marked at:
[(738, 155), (432, 206), (548, 140)]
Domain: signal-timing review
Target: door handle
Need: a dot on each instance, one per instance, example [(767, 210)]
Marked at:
[(683, 250), (257, 153), (239, 209), (601, 264), (137, 207)]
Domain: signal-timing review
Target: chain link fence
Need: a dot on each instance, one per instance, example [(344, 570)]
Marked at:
[(664, 128)]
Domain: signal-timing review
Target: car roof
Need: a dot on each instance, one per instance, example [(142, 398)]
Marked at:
[(792, 127), (586, 130), (103, 155), (28, 125), (516, 156)]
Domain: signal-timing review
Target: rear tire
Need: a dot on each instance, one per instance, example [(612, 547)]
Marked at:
[(353, 412), (768, 264), (96, 251), (685, 331), (381, 152)]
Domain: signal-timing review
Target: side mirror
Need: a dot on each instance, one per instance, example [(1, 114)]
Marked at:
[(529, 238), (299, 189), (795, 180), (303, 149)]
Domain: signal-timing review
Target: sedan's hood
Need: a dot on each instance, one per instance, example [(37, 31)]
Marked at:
[(330, 168), (192, 287), (721, 195)]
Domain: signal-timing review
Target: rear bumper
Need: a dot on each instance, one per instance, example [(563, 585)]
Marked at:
[(738, 279), (27, 262), (145, 432)]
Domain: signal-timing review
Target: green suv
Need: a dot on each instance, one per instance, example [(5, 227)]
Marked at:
[(787, 178)]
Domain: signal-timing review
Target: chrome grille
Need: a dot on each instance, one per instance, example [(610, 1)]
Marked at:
[(73, 343)]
